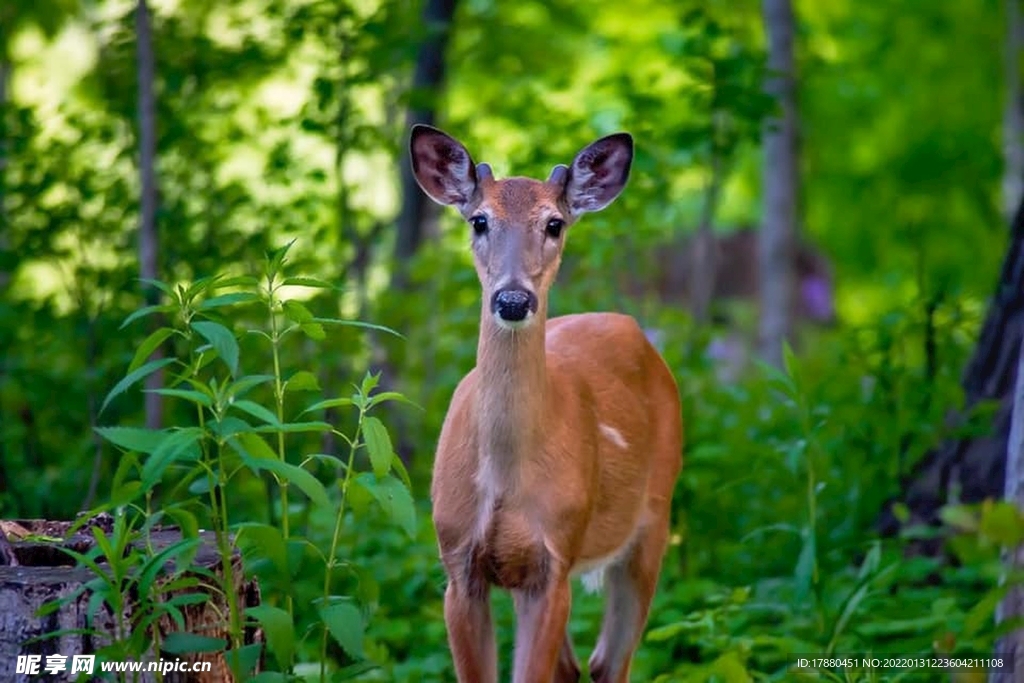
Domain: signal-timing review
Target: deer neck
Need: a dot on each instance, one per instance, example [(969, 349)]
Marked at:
[(511, 394)]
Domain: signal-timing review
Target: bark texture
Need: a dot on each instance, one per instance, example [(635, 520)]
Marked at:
[(1013, 111), (975, 468), (1011, 646), (778, 233), (149, 240), (43, 574), (428, 78)]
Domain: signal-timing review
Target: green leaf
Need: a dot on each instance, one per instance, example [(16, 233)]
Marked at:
[(134, 438), (296, 312), (303, 380), (267, 542), (180, 642), (329, 403), (134, 376), (378, 443), (294, 475), (392, 396), (344, 622), (243, 660), (393, 498), (295, 427), (244, 384), (1002, 523), (277, 625), (149, 345), (190, 395), (184, 520), (314, 331), (358, 323), (144, 311), (230, 426), (806, 565), (960, 517), (254, 446), (162, 286), (403, 474), (353, 671), (182, 444), (155, 564), (257, 411), (228, 300), (222, 340), (309, 282)]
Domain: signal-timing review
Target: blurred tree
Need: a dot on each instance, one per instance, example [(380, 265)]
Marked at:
[(780, 184), (1013, 111), (148, 236), (1011, 608), (425, 91)]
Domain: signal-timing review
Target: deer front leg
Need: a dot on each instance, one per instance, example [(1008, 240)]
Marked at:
[(467, 616), (541, 620)]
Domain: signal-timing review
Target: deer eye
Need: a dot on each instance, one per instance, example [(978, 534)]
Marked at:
[(554, 227), (479, 224)]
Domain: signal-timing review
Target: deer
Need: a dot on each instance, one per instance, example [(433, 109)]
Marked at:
[(561, 448)]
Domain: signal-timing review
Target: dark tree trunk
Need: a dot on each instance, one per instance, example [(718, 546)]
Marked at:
[(428, 78), (703, 266), (417, 211), (778, 233), (149, 240), (1011, 645), (976, 466), (1013, 111)]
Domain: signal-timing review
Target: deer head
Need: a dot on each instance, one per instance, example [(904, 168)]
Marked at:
[(519, 224)]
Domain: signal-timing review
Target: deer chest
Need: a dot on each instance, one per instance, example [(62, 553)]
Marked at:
[(509, 553)]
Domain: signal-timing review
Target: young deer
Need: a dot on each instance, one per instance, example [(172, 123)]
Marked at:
[(560, 450)]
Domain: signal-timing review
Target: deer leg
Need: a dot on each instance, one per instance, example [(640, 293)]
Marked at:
[(541, 638), (630, 586), (568, 669), (471, 634)]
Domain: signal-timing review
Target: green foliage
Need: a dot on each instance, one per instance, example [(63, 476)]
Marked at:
[(245, 434), (283, 121)]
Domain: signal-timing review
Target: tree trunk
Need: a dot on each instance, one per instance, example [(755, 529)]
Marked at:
[(5, 79), (417, 211), (1011, 646), (42, 574), (703, 267), (780, 185), (976, 467), (1013, 112), (148, 236), (427, 81)]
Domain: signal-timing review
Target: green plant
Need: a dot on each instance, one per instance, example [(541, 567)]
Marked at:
[(230, 444)]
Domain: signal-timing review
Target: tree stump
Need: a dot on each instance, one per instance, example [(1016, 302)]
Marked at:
[(43, 574)]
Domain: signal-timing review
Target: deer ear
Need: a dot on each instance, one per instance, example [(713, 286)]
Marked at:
[(442, 166), (598, 173)]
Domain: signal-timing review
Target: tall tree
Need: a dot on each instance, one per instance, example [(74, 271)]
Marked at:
[(148, 240), (1011, 646), (976, 466), (780, 183), (427, 81), (1013, 111)]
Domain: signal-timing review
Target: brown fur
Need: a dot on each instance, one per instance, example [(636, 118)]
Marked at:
[(560, 448)]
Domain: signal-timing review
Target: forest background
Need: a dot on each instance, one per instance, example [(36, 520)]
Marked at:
[(176, 140)]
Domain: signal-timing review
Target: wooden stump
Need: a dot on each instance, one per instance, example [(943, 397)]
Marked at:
[(43, 574)]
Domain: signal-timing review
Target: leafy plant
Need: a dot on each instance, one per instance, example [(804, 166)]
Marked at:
[(234, 443)]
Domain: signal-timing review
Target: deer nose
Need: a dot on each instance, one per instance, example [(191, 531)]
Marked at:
[(513, 305)]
